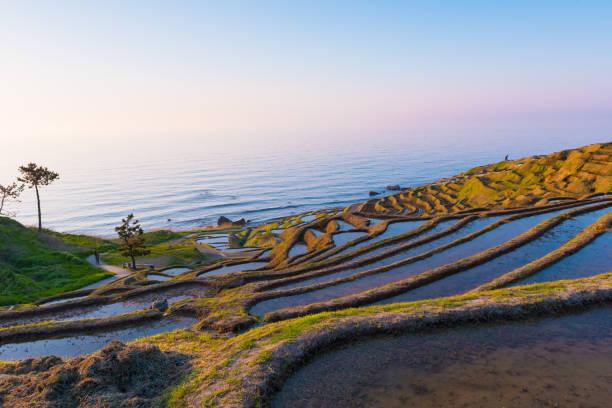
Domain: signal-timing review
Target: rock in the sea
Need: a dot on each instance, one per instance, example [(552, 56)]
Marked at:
[(240, 222), (224, 221), (373, 193), (394, 187), (160, 304)]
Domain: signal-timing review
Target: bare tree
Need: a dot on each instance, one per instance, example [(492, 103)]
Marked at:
[(34, 176), (132, 242), (10, 192)]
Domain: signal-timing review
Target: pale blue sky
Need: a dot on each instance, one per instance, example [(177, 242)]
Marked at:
[(92, 73)]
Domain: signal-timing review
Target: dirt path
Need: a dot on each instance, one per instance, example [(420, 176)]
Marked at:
[(120, 272)]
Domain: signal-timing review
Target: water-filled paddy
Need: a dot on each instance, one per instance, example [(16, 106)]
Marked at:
[(485, 241), (72, 346), (219, 242), (63, 300), (591, 260), (554, 362), (344, 226), (344, 237), (176, 271), (156, 277), (235, 268), (265, 253), (473, 277), (235, 250), (471, 227), (308, 218), (142, 302), (316, 232), (297, 249), (374, 221), (393, 229)]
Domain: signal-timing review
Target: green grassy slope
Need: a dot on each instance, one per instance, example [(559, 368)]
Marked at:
[(33, 266)]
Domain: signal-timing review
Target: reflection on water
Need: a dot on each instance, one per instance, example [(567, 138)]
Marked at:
[(141, 302), (470, 227), (342, 238), (193, 190), (591, 260), (235, 268), (555, 362), (482, 242), (176, 271), (72, 346), (63, 300), (156, 277), (392, 230), (297, 249), (481, 274), (344, 226)]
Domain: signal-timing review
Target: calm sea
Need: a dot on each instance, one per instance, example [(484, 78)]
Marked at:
[(193, 189)]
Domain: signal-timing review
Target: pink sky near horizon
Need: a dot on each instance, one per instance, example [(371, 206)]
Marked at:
[(76, 75)]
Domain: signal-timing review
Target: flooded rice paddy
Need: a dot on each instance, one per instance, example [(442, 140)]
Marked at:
[(141, 302), (553, 362), (72, 346), (392, 230), (220, 242), (591, 260), (247, 266), (297, 249), (156, 277), (345, 226), (342, 238), (175, 271), (481, 274), (487, 240), (53, 302)]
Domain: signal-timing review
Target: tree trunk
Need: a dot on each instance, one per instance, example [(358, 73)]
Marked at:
[(133, 262), (38, 202)]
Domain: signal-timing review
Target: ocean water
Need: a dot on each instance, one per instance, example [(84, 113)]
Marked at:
[(193, 188)]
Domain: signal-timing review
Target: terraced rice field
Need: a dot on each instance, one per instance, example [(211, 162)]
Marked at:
[(458, 251), (449, 245)]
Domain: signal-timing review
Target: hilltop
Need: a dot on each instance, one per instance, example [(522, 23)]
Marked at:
[(534, 180)]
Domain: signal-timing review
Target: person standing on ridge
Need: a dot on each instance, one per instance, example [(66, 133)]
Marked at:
[(97, 256), (506, 158)]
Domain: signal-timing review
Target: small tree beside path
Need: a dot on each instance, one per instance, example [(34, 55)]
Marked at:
[(131, 241)]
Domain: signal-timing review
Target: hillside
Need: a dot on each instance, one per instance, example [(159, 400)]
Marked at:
[(529, 238), (534, 180), (33, 266)]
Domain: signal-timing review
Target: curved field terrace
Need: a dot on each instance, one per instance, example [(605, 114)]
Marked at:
[(490, 287)]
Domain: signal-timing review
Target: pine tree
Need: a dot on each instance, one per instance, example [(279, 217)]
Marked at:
[(132, 242), (10, 192), (35, 176)]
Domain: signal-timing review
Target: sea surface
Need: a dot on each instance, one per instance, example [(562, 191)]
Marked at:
[(192, 189)]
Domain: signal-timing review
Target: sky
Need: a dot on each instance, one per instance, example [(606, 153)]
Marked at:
[(80, 76)]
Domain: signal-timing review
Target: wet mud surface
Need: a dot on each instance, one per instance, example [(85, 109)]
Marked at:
[(554, 362)]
